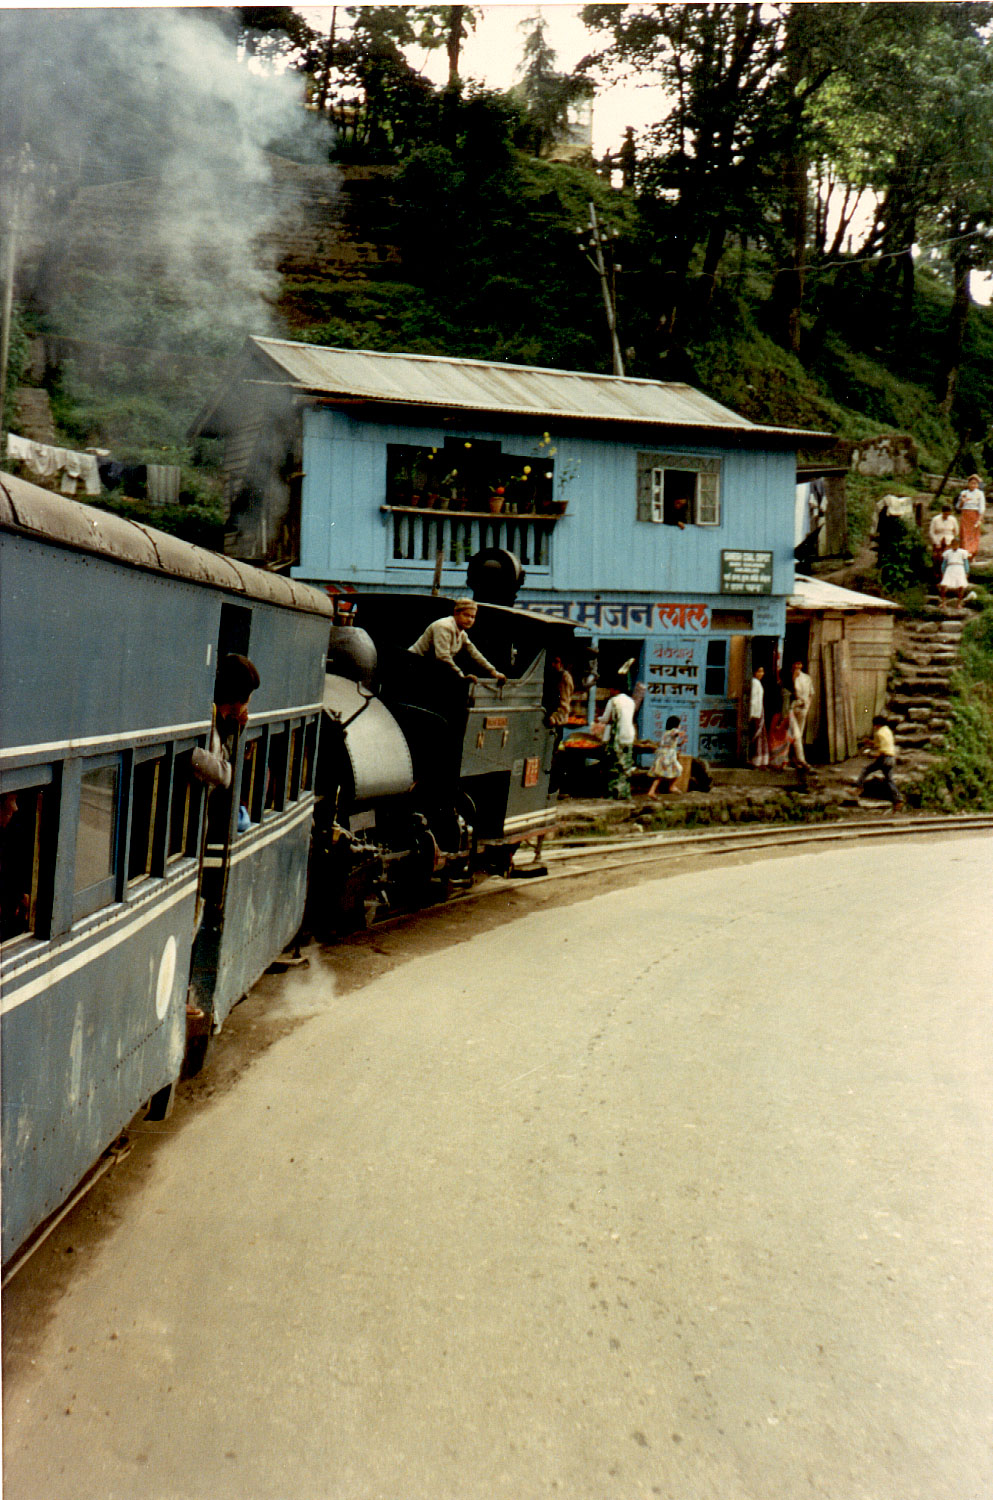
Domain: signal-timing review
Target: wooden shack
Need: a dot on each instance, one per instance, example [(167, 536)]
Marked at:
[(846, 639)]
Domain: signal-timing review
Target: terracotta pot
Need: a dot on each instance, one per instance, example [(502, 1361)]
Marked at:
[(495, 504)]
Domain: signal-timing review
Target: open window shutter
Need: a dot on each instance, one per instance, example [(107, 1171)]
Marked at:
[(708, 497), (644, 486)]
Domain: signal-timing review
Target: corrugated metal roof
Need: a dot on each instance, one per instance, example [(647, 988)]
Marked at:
[(817, 593), (33, 511), (518, 390)]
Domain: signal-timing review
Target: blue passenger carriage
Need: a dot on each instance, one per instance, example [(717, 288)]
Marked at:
[(117, 908)]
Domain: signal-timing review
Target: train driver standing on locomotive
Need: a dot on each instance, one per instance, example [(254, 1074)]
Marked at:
[(446, 638)]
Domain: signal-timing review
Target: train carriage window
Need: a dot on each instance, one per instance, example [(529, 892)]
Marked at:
[(252, 778), (184, 810), (96, 839), (293, 755), (23, 817), (275, 788), (309, 755), (147, 816)]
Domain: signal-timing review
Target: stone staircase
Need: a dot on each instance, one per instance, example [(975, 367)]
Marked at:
[(920, 681)]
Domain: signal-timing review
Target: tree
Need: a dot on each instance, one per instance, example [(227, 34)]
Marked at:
[(699, 165), (547, 95)]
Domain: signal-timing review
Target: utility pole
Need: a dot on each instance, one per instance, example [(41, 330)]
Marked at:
[(600, 266)]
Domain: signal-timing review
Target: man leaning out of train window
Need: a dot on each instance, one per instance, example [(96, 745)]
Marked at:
[(236, 681), (446, 638)]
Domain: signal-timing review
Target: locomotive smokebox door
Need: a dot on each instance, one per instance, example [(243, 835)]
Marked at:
[(495, 576)]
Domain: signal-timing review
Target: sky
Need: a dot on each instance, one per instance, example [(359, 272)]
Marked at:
[(492, 54)]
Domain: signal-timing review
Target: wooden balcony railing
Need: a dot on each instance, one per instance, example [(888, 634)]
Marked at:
[(419, 535)]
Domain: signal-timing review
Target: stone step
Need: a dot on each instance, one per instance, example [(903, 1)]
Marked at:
[(941, 656), (909, 713), (929, 638), (912, 692)]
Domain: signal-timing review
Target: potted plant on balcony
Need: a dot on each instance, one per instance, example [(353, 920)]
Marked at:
[(495, 499)]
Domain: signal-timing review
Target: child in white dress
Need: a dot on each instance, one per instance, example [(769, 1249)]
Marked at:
[(666, 766)]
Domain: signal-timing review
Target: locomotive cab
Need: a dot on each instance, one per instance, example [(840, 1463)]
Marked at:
[(425, 776)]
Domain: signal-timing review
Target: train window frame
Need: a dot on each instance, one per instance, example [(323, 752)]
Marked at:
[(182, 780), (309, 757), (294, 759), (102, 892), (253, 760), (155, 834), (276, 771), (43, 782)]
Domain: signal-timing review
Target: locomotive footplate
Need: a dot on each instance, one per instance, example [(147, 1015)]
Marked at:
[(497, 854)]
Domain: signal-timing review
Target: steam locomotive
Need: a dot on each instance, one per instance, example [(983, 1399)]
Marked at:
[(419, 780)]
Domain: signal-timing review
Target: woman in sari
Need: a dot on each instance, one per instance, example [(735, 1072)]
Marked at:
[(971, 505)]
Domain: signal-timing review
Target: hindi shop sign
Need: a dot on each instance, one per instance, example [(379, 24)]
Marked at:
[(641, 616), (746, 572)]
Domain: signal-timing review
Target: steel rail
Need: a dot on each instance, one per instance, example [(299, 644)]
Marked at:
[(596, 855)]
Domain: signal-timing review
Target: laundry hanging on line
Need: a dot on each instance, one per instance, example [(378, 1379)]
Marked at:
[(46, 461)]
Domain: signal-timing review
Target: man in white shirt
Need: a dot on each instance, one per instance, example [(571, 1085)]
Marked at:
[(620, 708), (444, 639), (618, 721)]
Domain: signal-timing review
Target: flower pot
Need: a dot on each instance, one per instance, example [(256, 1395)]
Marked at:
[(495, 504)]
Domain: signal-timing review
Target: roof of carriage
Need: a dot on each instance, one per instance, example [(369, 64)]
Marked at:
[(29, 510)]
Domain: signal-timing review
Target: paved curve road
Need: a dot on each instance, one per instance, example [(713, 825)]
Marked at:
[(684, 1191)]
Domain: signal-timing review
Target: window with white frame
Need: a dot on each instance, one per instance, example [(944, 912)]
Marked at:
[(678, 490)]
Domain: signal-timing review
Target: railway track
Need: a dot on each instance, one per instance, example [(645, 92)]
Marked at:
[(568, 857)]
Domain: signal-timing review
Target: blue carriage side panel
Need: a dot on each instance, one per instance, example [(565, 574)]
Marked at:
[(95, 656), (107, 662)]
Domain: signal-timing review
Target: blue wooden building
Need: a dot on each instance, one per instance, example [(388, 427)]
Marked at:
[(656, 518)]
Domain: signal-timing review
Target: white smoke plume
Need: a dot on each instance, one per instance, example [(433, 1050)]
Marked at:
[(139, 140)]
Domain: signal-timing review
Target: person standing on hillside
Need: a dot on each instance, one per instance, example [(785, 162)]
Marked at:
[(971, 505), (943, 532), (954, 573)]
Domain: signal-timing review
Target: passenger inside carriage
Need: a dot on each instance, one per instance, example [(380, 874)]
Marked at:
[(15, 869)]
